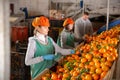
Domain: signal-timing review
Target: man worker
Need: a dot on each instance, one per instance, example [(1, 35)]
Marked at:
[(83, 27)]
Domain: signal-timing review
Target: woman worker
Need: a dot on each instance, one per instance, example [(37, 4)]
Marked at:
[(41, 48), (66, 38)]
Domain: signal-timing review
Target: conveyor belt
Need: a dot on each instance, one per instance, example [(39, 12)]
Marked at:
[(111, 24)]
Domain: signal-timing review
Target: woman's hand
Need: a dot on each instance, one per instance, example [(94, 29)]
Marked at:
[(72, 51), (49, 57)]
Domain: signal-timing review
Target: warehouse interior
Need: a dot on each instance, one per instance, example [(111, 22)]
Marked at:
[(16, 27)]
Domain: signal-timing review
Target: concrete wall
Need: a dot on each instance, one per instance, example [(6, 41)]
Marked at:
[(96, 4), (38, 7), (35, 7), (66, 1)]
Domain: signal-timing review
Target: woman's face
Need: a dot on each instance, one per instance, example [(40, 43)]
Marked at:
[(70, 27), (43, 30)]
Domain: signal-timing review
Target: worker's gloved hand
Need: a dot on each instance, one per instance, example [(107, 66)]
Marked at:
[(72, 51), (48, 57)]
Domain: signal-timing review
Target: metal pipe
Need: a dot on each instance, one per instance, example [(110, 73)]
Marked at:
[(49, 8), (83, 7), (108, 6)]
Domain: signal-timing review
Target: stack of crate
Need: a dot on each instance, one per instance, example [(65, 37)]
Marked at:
[(18, 69)]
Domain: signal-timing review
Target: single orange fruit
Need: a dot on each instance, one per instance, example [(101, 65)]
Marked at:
[(108, 63), (103, 74), (83, 60), (54, 76), (89, 57), (105, 68), (98, 70), (77, 52), (95, 76), (44, 78), (97, 64), (88, 77), (91, 63), (81, 65)]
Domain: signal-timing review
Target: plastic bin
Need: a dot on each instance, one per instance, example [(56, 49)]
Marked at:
[(19, 33)]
